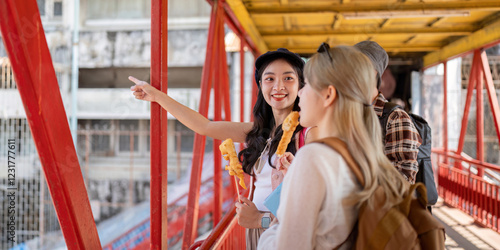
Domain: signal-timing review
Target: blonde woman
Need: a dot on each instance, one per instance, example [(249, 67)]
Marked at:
[(320, 194)]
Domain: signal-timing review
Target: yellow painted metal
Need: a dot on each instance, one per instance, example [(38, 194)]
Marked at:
[(309, 50), (451, 31), (484, 36), (404, 28), (371, 6), (246, 21)]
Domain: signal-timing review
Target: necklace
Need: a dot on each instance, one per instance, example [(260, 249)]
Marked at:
[(260, 163)]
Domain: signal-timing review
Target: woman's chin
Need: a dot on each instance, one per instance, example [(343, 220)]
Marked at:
[(281, 105)]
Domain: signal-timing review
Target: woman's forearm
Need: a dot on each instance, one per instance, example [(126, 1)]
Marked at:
[(190, 118), (200, 124)]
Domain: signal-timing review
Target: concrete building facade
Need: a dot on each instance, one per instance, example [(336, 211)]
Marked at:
[(113, 128)]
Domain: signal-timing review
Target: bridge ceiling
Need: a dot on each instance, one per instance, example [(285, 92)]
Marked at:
[(408, 30)]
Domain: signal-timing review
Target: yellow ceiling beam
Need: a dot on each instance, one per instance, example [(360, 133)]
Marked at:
[(336, 22), (287, 23), (372, 7), (410, 40), (436, 21), (246, 21), (487, 35), (385, 23), (311, 50), (371, 31)]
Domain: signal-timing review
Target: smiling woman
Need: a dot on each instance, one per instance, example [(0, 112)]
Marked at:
[(279, 77), (279, 85)]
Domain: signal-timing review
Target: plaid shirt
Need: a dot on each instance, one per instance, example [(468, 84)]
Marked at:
[(401, 140)]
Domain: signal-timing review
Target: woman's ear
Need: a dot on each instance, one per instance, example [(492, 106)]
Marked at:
[(330, 95)]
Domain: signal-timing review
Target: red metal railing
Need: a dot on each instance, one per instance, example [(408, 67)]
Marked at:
[(467, 191), (226, 235), (139, 237), (460, 187)]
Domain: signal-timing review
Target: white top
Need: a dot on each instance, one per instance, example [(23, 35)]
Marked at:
[(263, 185), (311, 214)]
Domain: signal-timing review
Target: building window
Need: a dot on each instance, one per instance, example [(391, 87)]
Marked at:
[(184, 137), (188, 8), (41, 7), (50, 9), (58, 8), (128, 127), (118, 9)]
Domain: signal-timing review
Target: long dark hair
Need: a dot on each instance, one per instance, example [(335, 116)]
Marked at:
[(264, 123)]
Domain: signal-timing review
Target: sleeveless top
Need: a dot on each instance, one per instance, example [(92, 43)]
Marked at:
[(264, 172)]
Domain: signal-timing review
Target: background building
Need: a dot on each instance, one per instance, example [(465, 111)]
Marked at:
[(113, 127)]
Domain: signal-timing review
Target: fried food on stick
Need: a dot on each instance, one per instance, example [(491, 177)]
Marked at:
[(229, 153), (289, 125)]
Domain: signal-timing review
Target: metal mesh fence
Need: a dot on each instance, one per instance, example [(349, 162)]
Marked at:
[(115, 170), (26, 210), (113, 156), (491, 145), (26, 207), (6, 77)]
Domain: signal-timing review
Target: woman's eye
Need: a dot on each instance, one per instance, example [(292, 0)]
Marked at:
[(288, 78), (269, 79)]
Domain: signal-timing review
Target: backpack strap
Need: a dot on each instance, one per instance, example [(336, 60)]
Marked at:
[(340, 146), (404, 206), (389, 107)]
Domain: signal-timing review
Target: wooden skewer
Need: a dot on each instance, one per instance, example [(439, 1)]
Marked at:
[(237, 187)]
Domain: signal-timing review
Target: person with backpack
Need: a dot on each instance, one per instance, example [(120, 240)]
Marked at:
[(342, 192), (407, 137), (320, 196), (401, 138)]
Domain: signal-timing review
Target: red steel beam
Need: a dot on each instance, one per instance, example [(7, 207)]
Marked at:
[(255, 92), (225, 84), (495, 110), (191, 223), (24, 39), (158, 126), (479, 114), (445, 110), (218, 68), (242, 84), (465, 118), (242, 80)]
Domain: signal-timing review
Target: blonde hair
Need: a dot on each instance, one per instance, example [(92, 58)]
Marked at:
[(353, 76)]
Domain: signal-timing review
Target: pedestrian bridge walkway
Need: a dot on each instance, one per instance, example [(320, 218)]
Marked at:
[(462, 232)]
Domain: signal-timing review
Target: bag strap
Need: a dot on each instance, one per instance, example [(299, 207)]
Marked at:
[(404, 206), (389, 107), (302, 137), (340, 146)]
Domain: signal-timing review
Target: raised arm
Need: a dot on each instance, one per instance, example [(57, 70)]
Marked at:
[(195, 121)]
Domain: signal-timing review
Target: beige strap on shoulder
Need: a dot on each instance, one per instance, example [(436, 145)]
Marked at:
[(340, 146)]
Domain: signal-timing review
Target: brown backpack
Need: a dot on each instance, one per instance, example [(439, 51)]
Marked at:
[(407, 225)]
